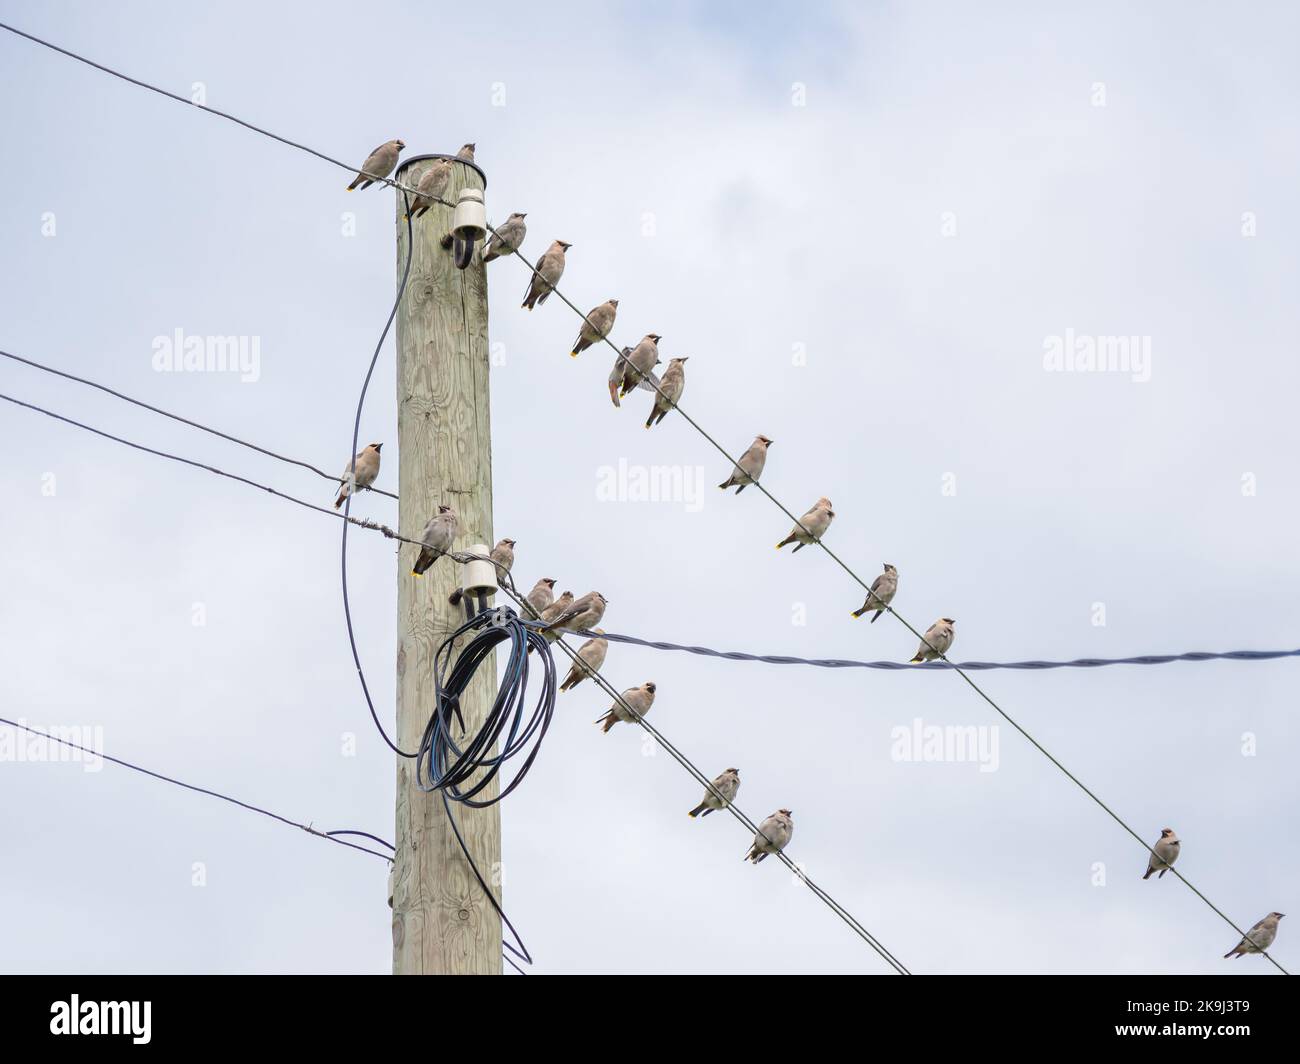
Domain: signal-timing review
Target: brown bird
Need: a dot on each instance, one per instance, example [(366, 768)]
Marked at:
[(431, 186), (360, 473), (596, 326), (670, 390), (436, 539), (592, 656), (1258, 938), (639, 364), (466, 152), (541, 595), (812, 526), (378, 165), (749, 466), (639, 698), (549, 269), (726, 784)]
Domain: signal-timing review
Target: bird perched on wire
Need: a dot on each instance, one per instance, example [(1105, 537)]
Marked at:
[(773, 835), (431, 186), (507, 238), (638, 364), (547, 273), (378, 165), (554, 610), (360, 473), (639, 698), (1258, 938), (671, 386), (938, 638), (436, 539), (551, 612), (1166, 853), (542, 594), (466, 152), (583, 614), (595, 327), (812, 526), (726, 784), (592, 656), (882, 592), (749, 466), (503, 557)]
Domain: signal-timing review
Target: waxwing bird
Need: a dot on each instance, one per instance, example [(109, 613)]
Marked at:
[(507, 238), (592, 656), (583, 614), (436, 539), (431, 186), (749, 466), (548, 271), (883, 589), (1258, 938), (360, 473), (638, 364), (466, 152), (1166, 853), (378, 165), (616, 374), (773, 835), (550, 613), (554, 610), (727, 784), (938, 637), (542, 594), (596, 326), (503, 557), (639, 698), (671, 387), (815, 523)]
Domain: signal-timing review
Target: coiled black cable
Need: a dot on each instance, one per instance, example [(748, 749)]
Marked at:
[(444, 765)]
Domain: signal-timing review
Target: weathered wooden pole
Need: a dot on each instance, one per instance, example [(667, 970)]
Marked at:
[(442, 923)]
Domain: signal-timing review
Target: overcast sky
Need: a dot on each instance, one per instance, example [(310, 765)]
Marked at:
[(869, 227)]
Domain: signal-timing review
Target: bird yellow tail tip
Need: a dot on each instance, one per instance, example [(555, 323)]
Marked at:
[(416, 572), (573, 354)]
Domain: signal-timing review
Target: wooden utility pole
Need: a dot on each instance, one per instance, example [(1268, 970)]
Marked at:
[(442, 923)]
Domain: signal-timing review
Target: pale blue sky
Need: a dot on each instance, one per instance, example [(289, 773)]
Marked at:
[(776, 227)]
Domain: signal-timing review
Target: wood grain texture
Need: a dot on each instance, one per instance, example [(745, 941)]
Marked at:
[(442, 923)]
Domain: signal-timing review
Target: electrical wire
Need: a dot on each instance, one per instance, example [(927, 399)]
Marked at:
[(330, 835), (700, 429), (941, 666), (183, 420), (513, 594), (459, 774), (352, 475), (730, 655)]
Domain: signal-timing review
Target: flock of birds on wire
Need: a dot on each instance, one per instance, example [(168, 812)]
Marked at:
[(634, 369)]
